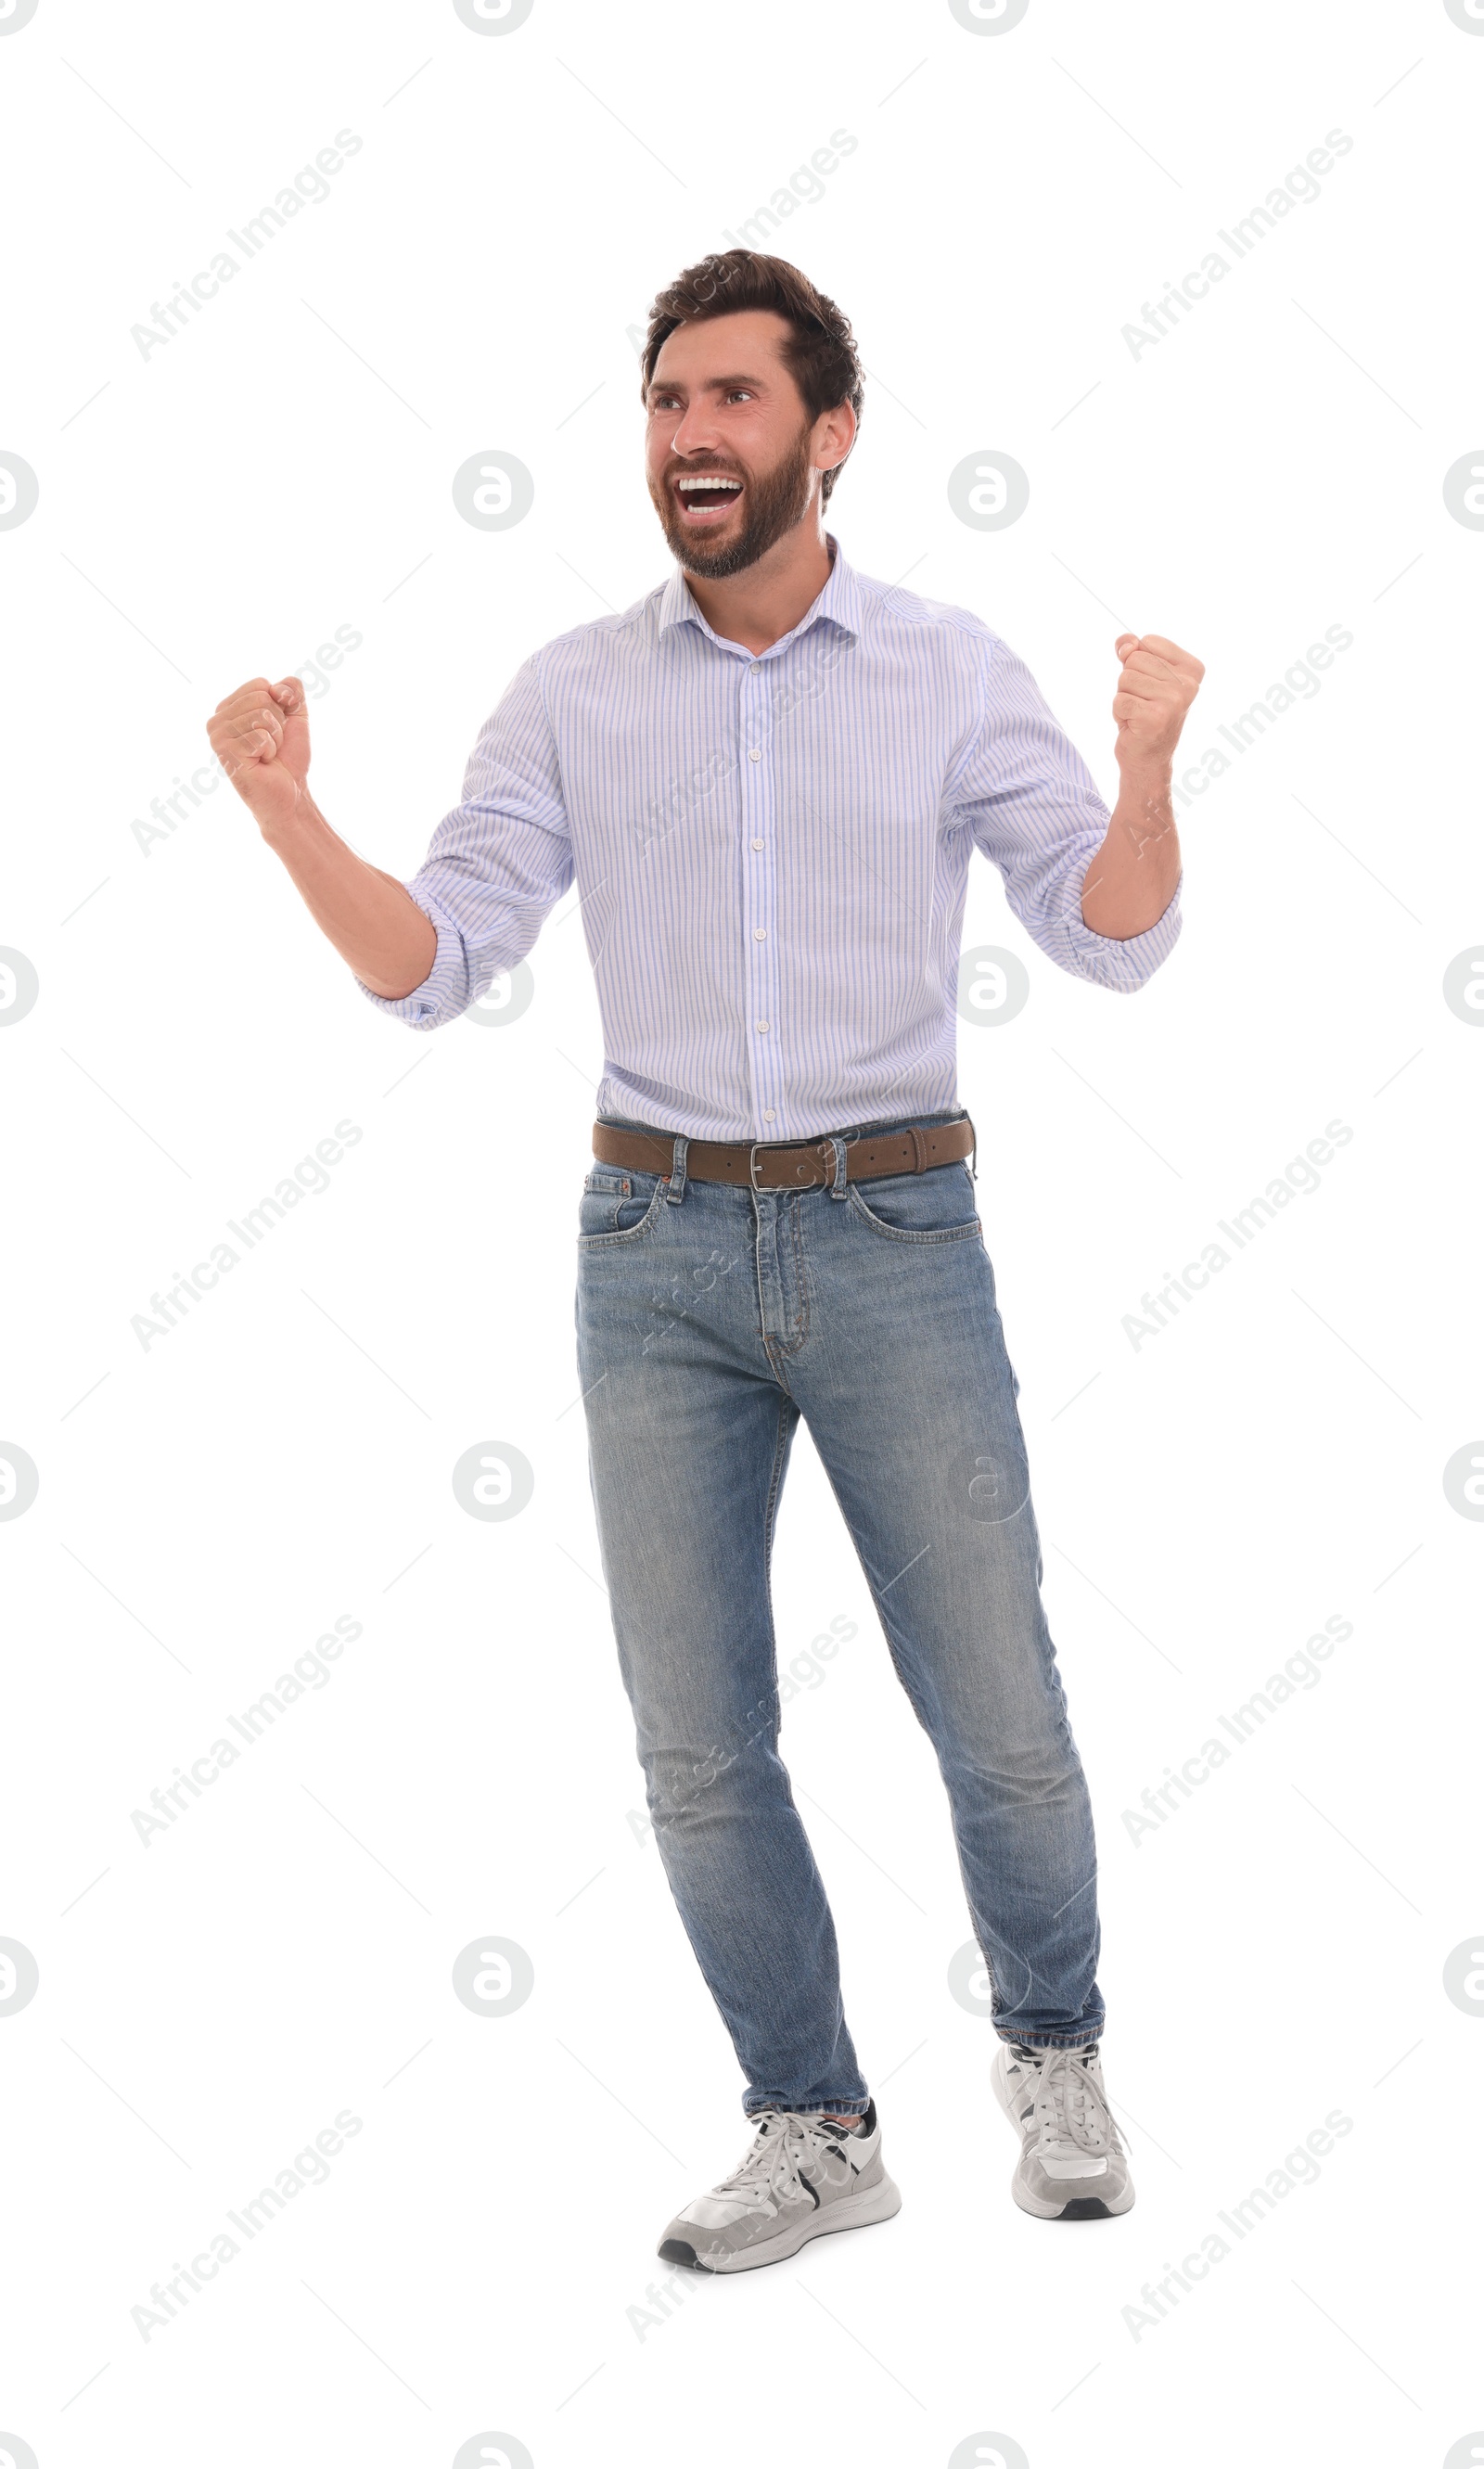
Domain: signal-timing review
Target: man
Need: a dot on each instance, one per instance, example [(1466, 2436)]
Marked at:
[(767, 780)]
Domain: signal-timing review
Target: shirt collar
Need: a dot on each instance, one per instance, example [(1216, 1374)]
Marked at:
[(839, 602)]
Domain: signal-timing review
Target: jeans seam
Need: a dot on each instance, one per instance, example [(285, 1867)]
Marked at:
[(770, 1513), (802, 1328), (997, 2006), (880, 1609)]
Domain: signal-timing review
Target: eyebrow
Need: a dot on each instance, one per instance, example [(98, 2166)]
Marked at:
[(709, 385)]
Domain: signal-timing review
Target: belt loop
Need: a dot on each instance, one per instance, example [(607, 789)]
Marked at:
[(974, 1152), (919, 1157), (675, 1189), (837, 1189)]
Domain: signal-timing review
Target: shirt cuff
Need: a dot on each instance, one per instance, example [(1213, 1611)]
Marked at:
[(444, 992), (1123, 965)]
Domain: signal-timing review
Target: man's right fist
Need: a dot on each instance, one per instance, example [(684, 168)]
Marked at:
[(260, 735)]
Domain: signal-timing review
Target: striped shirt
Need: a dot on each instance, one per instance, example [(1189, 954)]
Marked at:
[(770, 852)]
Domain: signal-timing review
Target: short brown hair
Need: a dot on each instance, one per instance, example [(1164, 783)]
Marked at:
[(820, 354)]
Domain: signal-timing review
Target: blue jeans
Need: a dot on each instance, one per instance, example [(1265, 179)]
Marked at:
[(710, 1318)]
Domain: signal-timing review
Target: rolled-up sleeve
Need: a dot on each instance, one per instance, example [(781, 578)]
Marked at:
[(1033, 808), (497, 864)]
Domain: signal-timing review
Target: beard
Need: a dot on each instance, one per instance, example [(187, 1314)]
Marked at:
[(774, 502)]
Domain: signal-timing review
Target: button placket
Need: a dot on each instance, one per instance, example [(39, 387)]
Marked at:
[(759, 894)]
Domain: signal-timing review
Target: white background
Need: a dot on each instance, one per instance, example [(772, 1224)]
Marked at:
[(479, 2258)]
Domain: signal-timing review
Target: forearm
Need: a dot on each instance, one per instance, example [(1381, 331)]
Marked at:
[(371, 918), (1131, 879)]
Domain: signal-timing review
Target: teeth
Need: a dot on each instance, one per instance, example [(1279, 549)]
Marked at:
[(709, 480)]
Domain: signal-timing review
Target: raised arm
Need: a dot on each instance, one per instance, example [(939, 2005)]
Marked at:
[(261, 736), (1131, 879), (1072, 873)]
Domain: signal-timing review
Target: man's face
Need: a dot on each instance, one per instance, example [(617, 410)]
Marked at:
[(731, 451)]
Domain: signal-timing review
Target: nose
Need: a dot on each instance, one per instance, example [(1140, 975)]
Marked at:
[(695, 432)]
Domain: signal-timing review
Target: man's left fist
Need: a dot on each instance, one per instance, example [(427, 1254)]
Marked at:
[(1154, 693)]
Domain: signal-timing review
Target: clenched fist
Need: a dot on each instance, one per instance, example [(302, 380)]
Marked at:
[(1154, 693), (260, 734)]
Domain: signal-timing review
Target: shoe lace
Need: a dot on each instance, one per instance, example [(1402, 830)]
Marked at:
[(1071, 2106), (785, 2141)]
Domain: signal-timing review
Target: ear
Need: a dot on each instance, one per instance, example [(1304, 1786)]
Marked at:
[(834, 435)]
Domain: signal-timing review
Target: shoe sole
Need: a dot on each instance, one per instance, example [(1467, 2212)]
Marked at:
[(1077, 2207), (879, 2203)]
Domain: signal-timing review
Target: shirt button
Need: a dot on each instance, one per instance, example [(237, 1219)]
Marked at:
[(762, 1024), (756, 672), (769, 1117), (755, 755), (760, 933), (757, 844)]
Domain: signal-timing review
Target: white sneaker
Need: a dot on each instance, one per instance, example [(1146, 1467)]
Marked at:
[(1073, 2165), (801, 2178)]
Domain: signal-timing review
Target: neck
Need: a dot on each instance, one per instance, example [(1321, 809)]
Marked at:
[(768, 599)]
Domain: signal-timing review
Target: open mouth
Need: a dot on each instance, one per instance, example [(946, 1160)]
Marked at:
[(706, 495)]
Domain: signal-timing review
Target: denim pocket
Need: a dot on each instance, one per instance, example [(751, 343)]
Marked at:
[(615, 1205), (937, 1206)]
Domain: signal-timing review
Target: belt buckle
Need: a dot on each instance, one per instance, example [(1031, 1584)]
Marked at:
[(751, 1161)]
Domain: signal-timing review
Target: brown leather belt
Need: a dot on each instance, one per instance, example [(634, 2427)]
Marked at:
[(783, 1165)]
